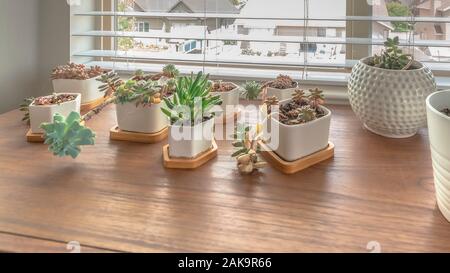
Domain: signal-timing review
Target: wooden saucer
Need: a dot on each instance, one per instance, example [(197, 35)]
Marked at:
[(88, 106), (116, 134), (288, 167), (35, 138), (188, 163)]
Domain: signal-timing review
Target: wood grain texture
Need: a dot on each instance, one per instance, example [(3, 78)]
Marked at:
[(118, 196), (189, 163), (291, 167), (117, 134), (88, 106)]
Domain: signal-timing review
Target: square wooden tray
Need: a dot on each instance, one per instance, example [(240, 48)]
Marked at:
[(35, 138), (86, 107), (116, 134), (288, 167), (188, 163)]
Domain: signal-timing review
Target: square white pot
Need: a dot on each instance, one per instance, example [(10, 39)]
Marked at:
[(281, 94), (87, 88), (141, 119), (44, 113), (230, 98), (439, 133), (293, 142), (190, 141)]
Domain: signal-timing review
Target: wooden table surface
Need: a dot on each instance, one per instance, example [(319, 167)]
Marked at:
[(117, 197)]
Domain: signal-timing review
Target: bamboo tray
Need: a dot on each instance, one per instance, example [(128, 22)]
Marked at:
[(288, 167), (35, 138), (88, 106), (116, 134), (188, 163)]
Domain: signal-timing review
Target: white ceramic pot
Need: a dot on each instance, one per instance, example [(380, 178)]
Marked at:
[(230, 98), (281, 94), (293, 142), (87, 88), (141, 119), (439, 133), (390, 103), (190, 141), (44, 113)]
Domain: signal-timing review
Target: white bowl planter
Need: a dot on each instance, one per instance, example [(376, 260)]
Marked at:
[(390, 103), (297, 141), (141, 119), (191, 141), (230, 98), (281, 94), (87, 88), (439, 133), (44, 113)]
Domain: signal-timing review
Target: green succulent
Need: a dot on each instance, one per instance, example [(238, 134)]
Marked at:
[(171, 71), (24, 108), (392, 57), (65, 135), (252, 90), (188, 92)]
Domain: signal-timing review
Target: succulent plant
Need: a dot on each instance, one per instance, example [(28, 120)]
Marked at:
[(252, 90), (281, 82), (65, 135), (392, 57), (111, 82), (76, 72), (219, 86), (169, 71), (246, 155), (54, 99), (24, 108), (302, 108), (190, 93)]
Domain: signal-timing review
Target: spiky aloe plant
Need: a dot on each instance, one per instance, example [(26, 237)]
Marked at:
[(192, 102), (170, 71), (252, 90), (392, 57)]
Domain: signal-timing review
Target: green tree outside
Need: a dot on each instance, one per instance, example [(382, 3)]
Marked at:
[(399, 10)]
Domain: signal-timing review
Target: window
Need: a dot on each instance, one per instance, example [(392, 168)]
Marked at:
[(259, 39)]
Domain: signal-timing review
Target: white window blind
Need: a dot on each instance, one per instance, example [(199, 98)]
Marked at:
[(314, 41)]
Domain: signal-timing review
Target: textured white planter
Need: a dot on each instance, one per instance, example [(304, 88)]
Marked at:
[(439, 133), (190, 141), (230, 98), (297, 141), (148, 119), (281, 94), (87, 88), (44, 113), (390, 103)]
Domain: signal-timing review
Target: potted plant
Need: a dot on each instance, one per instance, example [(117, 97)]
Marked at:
[(247, 149), (299, 127), (138, 105), (229, 94), (387, 92), (191, 130), (282, 87), (252, 90), (77, 78), (438, 113), (42, 109)]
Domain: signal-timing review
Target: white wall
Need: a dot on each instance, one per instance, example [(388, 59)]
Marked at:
[(34, 38), (19, 51)]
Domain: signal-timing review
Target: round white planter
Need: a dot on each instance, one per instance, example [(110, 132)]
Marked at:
[(293, 142), (191, 141), (44, 113), (390, 103), (87, 88), (281, 94), (141, 119), (230, 98), (439, 133)]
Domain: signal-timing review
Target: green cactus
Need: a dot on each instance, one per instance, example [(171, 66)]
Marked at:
[(65, 135)]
